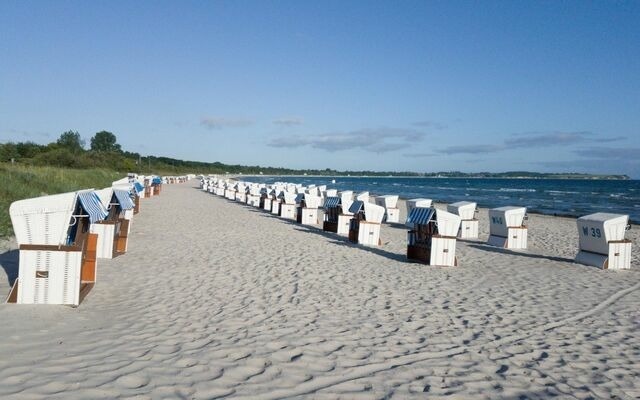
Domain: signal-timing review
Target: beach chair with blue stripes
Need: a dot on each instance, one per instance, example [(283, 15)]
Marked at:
[(432, 238), (57, 263), (364, 227)]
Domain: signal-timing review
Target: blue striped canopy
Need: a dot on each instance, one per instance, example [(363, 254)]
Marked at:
[(91, 204), (138, 187), (356, 207), (331, 202), (157, 180), (123, 198), (420, 216)]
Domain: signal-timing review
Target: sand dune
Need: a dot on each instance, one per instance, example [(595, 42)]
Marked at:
[(219, 300)]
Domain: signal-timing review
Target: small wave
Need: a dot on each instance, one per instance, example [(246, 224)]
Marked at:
[(560, 192), (516, 190)]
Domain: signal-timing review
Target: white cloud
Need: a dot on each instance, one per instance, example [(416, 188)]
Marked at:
[(222, 122), (290, 121), (379, 140)]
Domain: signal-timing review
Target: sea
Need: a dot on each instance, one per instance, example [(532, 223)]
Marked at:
[(564, 197)]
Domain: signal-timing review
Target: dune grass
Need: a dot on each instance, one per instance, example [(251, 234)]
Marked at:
[(22, 182)]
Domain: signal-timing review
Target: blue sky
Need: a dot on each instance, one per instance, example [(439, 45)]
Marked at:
[(420, 86)]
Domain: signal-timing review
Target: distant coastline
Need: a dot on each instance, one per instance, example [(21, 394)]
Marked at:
[(458, 175)]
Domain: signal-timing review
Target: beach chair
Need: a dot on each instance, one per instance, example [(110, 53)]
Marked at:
[(288, 205), (148, 187), (113, 231), (337, 217), (469, 225), (57, 263), (253, 195), (364, 227), (156, 185), (601, 241), (363, 197), (420, 202), (389, 202), (307, 213), (241, 194), (507, 227), (432, 238)]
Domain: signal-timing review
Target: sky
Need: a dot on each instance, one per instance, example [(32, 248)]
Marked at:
[(425, 86)]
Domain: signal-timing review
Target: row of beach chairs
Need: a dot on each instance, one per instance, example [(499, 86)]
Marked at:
[(61, 237), (433, 232)]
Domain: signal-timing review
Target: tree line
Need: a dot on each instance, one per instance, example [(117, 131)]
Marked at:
[(104, 152), (70, 151)]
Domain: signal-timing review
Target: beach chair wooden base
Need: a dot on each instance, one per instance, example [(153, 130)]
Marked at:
[(275, 207), (288, 211), (366, 234), (106, 232), (328, 226), (393, 215), (468, 229), (136, 202), (253, 201), (13, 293), (55, 274), (619, 256), (343, 224), (307, 216), (441, 252), (516, 239)]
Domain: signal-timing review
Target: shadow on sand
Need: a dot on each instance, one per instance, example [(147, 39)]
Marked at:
[(492, 249), (9, 261), (334, 238)]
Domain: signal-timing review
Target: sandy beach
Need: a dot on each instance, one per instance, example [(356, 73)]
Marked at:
[(215, 299)]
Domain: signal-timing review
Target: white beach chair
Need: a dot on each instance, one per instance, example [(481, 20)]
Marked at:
[(602, 241), (364, 227), (507, 227), (466, 210), (57, 262), (389, 202), (308, 209), (419, 202), (432, 238)]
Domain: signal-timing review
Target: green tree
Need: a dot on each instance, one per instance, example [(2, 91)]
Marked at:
[(104, 141), (71, 141), (29, 149), (8, 151)]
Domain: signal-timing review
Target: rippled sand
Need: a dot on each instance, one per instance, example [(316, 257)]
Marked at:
[(215, 299)]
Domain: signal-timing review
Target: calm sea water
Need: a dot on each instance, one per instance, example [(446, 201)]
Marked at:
[(545, 196)]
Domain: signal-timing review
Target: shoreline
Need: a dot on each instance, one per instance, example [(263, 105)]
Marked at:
[(217, 299)]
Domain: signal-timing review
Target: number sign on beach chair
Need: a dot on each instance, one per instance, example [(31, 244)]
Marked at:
[(507, 227), (602, 243)]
